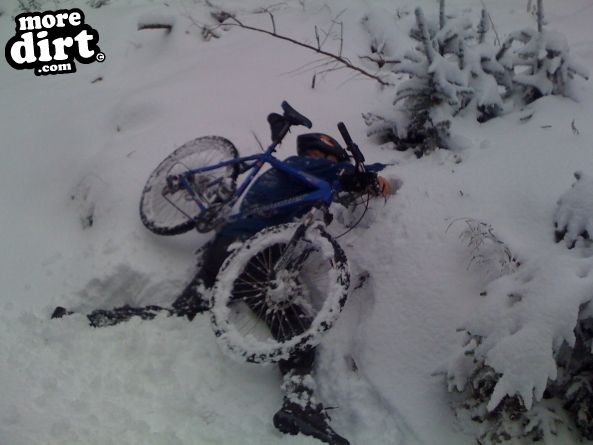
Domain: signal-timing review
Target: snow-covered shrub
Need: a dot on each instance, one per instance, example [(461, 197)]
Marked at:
[(524, 367), (574, 213), (542, 65), (448, 68), (576, 369), (451, 68), (486, 249)]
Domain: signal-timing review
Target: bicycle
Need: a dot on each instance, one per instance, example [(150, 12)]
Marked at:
[(281, 289)]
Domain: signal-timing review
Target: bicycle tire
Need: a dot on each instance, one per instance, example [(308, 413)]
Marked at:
[(247, 336), (163, 218)]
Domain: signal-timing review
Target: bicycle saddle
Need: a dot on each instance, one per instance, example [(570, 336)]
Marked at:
[(294, 117), (281, 124)]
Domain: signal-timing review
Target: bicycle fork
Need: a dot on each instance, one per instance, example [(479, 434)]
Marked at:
[(295, 254)]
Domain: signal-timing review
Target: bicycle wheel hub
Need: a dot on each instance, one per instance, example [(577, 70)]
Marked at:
[(282, 289)]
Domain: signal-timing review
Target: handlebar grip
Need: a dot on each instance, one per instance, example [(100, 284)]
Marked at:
[(345, 134), (356, 153)]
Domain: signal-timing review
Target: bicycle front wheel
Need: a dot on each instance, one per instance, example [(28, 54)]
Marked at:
[(263, 315), (167, 211)]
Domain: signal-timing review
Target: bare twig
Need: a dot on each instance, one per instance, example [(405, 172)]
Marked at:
[(206, 31), (167, 26), (273, 22), (269, 8), (540, 15), (258, 141), (317, 37), (575, 130), (492, 23), (337, 58), (341, 38), (380, 61), (309, 66), (331, 27)]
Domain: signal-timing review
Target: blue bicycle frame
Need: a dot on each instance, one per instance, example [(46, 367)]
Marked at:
[(323, 192)]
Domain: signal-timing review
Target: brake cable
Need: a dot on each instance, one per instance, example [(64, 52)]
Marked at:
[(366, 207)]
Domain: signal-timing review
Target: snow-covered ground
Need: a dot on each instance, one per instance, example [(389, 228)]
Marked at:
[(84, 143)]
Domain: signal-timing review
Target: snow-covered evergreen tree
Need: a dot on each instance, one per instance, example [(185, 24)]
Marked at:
[(542, 65), (452, 67), (524, 365)]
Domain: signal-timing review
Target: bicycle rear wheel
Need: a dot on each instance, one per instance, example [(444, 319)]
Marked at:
[(171, 211), (260, 315)]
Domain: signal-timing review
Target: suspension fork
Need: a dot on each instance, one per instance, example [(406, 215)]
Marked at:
[(293, 256)]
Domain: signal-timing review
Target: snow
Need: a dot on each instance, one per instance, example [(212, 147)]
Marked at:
[(84, 144)]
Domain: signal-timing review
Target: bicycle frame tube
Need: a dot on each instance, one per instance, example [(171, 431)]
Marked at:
[(323, 190)]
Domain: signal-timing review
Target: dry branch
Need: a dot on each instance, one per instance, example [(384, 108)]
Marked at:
[(155, 26), (338, 58)]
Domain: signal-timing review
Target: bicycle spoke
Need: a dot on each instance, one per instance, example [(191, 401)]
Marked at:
[(244, 291), (258, 302), (298, 318), (281, 329), (261, 311), (253, 278), (261, 259), (249, 318), (252, 283), (257, 297), (248, 288), (266, 269), (209, 160)]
